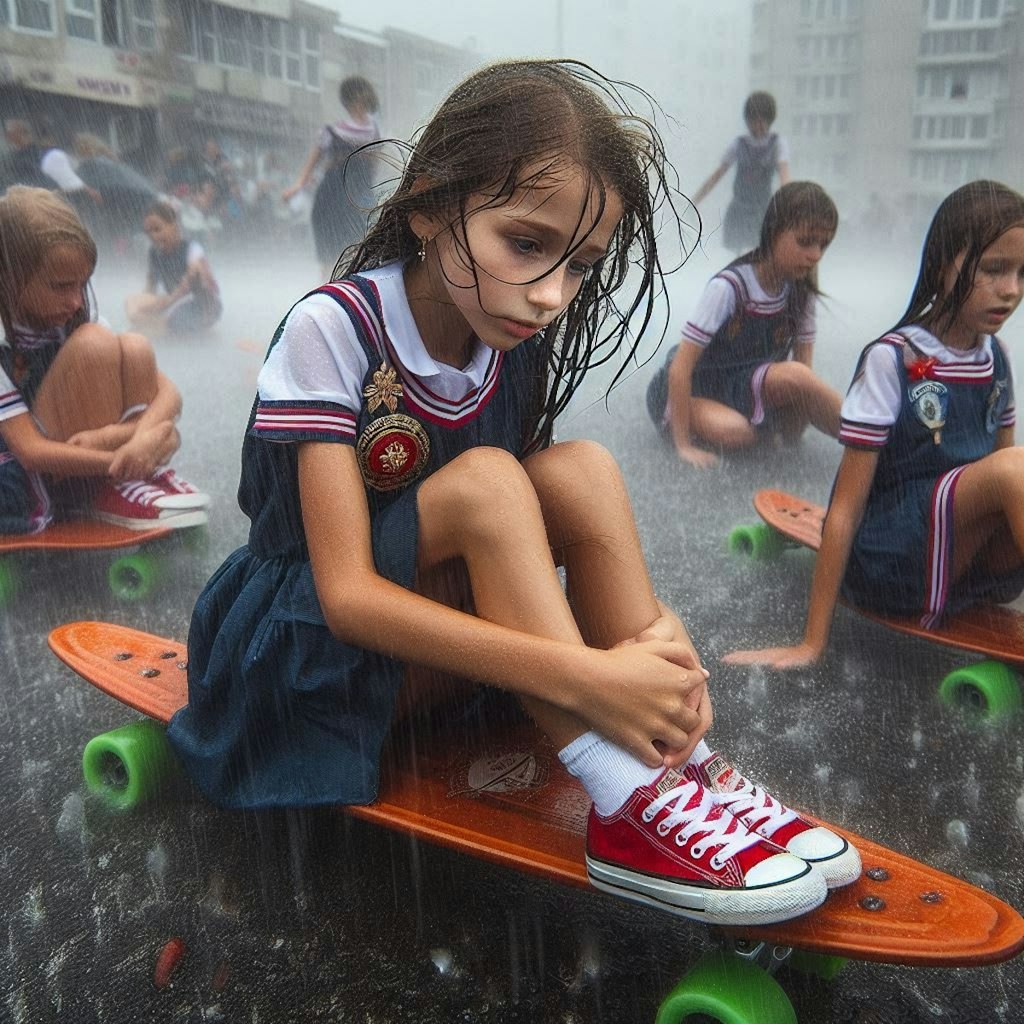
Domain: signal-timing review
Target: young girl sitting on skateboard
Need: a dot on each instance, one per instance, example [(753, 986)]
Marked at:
[(409, 511), (190, 298), (86, 418), (927, 509), (743, 368)]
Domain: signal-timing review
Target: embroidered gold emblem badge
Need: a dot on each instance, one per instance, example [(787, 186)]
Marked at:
[(393, 451), (385, 390)]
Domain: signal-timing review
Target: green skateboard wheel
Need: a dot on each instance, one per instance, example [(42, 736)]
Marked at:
[(730, 991), (127, 766), (758, 541), (989, 689), (817, 965), (133, 577), (8, 582)]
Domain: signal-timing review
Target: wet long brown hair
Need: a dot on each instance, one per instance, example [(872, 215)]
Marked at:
[(795, 205), (32, 222), (511, 125), (967, 221)]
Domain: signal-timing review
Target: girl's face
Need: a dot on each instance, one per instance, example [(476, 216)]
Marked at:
[(518, 289), (797, 251), (998, 284), (56, 291), (163, 234)]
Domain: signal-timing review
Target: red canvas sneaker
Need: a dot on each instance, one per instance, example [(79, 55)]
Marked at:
[(762, 813), (178, 492), (672, 846), (133, 503)]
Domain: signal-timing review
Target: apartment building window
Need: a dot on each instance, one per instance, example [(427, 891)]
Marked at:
[(989, 9), (256, 44), (842, 124), (275, 49), (940, 12), (293, 53), (143, 17), (311, 55), (979, 127), (964, 10), (79, 19), (35, 16), (230, 33)]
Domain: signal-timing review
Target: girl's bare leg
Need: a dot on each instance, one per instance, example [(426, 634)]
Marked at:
[(988, 513), (718, 426), (793, 388), (484, 509), (96, 377)]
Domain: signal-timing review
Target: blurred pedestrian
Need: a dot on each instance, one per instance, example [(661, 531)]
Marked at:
[(758, 155), (181, 295), (344, 197)]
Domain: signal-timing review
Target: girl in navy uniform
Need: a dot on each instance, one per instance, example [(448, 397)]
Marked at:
[(758, 155), (744, 365), (927, 510), (409, 512), (87, 420), (344, 196), (182, 295)]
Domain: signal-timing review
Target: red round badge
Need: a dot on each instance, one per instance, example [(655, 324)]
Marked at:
[(393, 451)]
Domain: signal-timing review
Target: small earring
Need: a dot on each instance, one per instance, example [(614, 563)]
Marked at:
[(423, 250)]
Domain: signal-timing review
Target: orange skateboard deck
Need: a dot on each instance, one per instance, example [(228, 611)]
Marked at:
[(993, 630), (508, 801), (130, 577)]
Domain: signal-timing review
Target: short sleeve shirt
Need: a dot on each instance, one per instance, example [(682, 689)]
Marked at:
[(718, 303), (781, 153), (873, 403), (319, 358)]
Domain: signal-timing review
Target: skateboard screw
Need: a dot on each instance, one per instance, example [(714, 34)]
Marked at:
[(877, 874), (123, 656), (168, 654), (182, 665), (149, 673), (872, 903), (931, 897)]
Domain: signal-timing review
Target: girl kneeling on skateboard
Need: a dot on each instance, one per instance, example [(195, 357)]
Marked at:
[(409, 511), (927, 510), (86, 418), (743, 369)]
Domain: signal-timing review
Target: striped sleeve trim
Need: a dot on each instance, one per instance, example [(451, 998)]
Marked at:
[(304, 421), (12, 403), (863, 435), (691, 332)]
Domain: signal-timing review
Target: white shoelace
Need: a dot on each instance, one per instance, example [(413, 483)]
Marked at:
[(758, 809), (139, 492), (700, 819)]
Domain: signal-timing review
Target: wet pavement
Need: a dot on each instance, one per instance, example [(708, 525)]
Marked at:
[(289, 917)]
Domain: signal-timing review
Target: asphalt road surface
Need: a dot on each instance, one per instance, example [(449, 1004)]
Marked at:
[(298, 918)]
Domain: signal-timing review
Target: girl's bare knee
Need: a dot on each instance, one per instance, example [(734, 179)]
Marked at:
[(482, 483)]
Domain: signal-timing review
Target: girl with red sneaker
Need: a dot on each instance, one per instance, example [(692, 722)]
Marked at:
[(927, 509), (743, 369), (410, 511), (86, 418)]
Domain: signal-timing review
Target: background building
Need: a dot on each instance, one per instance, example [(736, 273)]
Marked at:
[(257, 76), (891, 106)]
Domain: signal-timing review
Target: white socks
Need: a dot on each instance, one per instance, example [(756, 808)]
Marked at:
[(610, 774)]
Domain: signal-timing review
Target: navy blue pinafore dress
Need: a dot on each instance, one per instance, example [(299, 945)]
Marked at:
[(733, 364), (902, 554), (280, 713)]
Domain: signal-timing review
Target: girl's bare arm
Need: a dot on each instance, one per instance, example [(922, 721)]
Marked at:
[(853, 483), (634, 694), (38, 453), (680, 384), (710, 183), (803, 352), (304, 175)]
